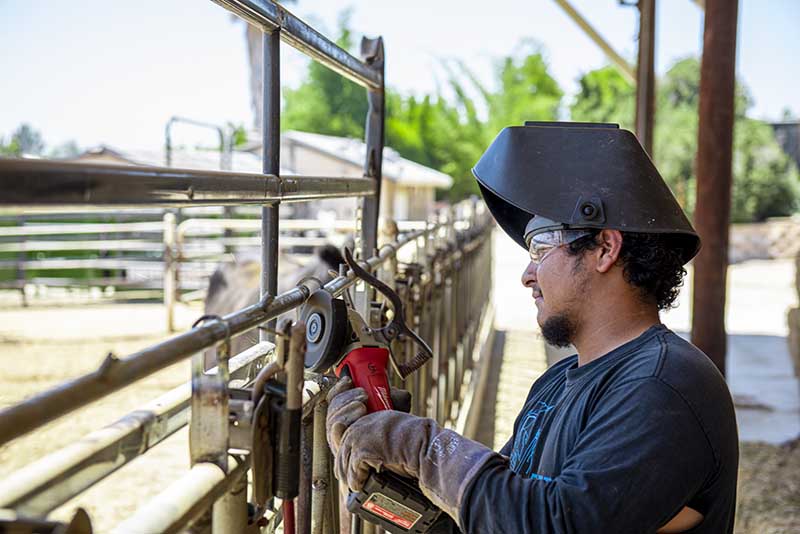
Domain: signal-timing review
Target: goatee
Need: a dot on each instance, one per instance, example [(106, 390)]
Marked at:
[(559, 330)]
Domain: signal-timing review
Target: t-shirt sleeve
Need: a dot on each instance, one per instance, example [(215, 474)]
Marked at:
[(640, 456), (506, 450)]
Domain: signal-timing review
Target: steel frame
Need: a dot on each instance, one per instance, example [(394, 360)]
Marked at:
[(454, 255)]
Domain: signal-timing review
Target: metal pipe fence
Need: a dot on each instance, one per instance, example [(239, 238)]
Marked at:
[(442, 272)]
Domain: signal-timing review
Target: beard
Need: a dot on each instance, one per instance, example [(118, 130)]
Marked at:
[(559, 330)]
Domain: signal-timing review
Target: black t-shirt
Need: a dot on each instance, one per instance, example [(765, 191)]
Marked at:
[(619, 445)]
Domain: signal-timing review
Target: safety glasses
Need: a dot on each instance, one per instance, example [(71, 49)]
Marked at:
[(541, 245)]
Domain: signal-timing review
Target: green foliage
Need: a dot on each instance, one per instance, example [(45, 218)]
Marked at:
[(326, 103), (24, 141), (765, 181), (444, 134), (9, 148), (605, 96), (238, 133)]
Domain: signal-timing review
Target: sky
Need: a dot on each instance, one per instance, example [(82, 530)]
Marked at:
[(113, 73)]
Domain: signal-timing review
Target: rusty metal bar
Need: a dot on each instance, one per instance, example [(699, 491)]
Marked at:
[(320, 483), (46, 484), (645, 74), (270, 16), (714, 177), (270, 142), (42, 183), (373, 55)]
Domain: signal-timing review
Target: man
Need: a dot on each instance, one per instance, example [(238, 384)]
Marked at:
[(636, 432)]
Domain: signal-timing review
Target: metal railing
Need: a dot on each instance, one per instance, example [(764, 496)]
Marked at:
[(442, 272)]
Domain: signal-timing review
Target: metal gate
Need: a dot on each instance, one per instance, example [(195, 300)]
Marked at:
[(442, 272)]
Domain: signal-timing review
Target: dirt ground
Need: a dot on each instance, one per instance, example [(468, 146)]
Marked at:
[(43, 346), (769, 489)]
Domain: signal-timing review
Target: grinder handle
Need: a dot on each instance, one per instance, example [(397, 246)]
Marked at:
[(366, 366)]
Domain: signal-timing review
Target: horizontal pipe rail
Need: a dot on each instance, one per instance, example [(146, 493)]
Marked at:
[(188, 497), (60, 184), (40, 487), (116, 373), (28, 230), (138, 245), (205, 226), (271, 17)]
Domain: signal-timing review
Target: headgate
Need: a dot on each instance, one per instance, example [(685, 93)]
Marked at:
[(442, 272)]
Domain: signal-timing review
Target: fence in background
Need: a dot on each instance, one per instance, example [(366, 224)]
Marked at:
[(442, 272)]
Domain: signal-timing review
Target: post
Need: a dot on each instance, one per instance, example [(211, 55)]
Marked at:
[(645, 74), (714, 162), (170, 267), (229, 513), (320, 483), (271, 143), (372, 53)]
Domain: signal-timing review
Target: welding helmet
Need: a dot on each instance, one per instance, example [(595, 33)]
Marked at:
[(578, 176)]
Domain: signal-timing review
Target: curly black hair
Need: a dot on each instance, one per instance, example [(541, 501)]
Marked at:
[(653, 263)]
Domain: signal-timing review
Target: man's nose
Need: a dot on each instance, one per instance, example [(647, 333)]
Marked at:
[(529, 274)]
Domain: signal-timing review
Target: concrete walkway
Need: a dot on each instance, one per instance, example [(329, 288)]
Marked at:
[(760, 375)]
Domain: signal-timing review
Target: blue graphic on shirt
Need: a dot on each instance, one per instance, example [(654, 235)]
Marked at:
[(526, 440)]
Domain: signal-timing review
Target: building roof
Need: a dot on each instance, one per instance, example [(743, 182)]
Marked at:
[(353, 151), (395, 167), (181, 158)]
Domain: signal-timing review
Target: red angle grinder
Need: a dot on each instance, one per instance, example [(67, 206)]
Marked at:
[(338, 337)]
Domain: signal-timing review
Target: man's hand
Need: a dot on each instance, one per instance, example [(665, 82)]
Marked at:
[(443, 461), (346, 404)]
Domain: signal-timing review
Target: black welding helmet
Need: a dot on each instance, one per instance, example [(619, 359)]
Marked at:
[(578, 175)]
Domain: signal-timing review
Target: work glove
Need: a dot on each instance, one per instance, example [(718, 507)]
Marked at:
[(346, 404), (443, 461)]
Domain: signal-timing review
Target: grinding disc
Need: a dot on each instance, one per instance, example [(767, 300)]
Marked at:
[(327, 329)]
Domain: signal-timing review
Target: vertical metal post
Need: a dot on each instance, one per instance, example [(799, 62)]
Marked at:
[(21, 257), (271, 143), (307, 442), (319, 477), (372, 53), (229, 513), (714, 177), (170, 271), (645, 74)]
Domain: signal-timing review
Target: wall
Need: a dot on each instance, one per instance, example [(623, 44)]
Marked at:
[(775, 238)]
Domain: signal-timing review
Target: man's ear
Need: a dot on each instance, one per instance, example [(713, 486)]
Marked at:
[(610, 242)]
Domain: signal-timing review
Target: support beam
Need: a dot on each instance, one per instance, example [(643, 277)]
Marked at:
[(372, 54), (271, 143), (714, 177), (625, 68), (645, 75), (271, 16)]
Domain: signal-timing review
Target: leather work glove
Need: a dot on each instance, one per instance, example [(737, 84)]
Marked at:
[(346, 404), (443, 461)]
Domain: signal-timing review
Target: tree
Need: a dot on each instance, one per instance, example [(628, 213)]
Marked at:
[(605, 96), (327, 102), (24, 141), (68, 149), (765, 181), (441, 133)]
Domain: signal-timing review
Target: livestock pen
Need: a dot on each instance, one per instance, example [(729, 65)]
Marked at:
[(441, 270)]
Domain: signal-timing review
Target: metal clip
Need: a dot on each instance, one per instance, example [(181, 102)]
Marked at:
[(208, 428)]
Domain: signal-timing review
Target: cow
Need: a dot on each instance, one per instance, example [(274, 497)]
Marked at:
[(236, 285)]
